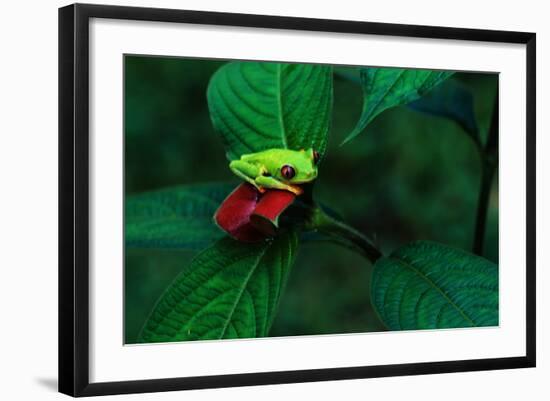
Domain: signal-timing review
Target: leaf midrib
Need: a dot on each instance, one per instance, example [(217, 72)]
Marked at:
[(241, 291), (388, 90), (433, 285), (280, 105)]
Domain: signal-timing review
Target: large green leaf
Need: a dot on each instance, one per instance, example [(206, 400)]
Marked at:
[(389, 87), (453, 101), (425, 285), (257, 106), (180, 217), (231, 290)]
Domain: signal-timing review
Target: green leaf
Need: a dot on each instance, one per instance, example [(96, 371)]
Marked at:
[(384, 88), (453, 101), (426, 285), (230, 290), (179, 217), (257, 106)]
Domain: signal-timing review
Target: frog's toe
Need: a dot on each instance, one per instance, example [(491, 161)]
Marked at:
[(296, 190)]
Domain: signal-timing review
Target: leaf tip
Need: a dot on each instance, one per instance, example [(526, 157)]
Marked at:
[(351, 136)]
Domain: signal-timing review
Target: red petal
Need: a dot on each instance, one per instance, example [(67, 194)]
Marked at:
[(271, 205), (233, 215), (249, 216)]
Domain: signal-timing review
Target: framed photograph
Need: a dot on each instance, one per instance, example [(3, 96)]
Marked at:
[(251, 199)]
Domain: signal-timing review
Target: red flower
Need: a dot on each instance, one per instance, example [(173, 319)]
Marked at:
[(250, 216)]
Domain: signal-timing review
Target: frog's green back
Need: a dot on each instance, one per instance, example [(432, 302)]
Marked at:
[(274, 159)]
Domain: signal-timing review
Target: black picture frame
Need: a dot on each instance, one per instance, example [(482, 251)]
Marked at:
[(74, 198)]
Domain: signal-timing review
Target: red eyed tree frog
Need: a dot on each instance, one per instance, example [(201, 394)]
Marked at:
[(277, 168)]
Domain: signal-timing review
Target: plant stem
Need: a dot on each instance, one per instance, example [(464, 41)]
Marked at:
[(489, 161), (491, 146), (346, 76), (487, 174), (323, 222)]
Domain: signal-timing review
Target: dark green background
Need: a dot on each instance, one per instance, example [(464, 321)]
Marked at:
[(409, 176)]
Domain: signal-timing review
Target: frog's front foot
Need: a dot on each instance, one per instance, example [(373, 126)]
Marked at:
[(296, 190), (261, 190)]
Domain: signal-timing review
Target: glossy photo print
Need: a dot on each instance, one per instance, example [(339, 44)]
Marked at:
[(267, 199)]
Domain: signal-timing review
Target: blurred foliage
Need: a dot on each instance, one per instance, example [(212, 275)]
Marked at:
[(410, 176)]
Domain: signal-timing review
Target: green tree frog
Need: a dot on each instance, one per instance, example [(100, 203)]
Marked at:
[(277, 168)]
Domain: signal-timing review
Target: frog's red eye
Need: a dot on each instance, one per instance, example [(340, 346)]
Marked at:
[(316, 157), (288, 171)]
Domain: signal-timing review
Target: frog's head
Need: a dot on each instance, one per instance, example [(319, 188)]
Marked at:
[(299, 166)]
